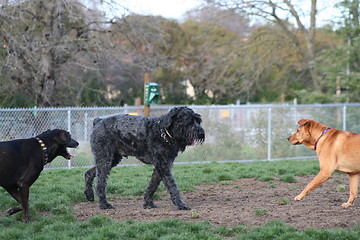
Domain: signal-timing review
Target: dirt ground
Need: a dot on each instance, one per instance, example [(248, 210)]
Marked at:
[(245, 201)]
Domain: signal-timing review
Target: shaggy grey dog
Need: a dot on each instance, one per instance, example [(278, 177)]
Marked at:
[(152, 140)]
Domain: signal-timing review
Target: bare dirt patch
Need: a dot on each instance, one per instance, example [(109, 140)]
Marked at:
[(245, 201)]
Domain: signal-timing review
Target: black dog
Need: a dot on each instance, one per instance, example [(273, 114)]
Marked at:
[(22, 160), (152, 140)]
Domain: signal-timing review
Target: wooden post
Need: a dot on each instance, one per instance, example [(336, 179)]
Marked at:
[(147, 79)]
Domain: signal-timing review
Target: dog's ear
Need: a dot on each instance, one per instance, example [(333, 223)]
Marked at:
[(96, 120), (61, 137), (168, 118), (303, 122)]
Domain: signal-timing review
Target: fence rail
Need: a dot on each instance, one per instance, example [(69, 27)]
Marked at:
[(233, 132)]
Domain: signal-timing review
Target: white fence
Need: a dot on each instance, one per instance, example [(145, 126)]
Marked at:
[(233, 132)]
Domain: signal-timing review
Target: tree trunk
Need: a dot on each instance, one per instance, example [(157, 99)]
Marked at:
[(310, 46), (48, 77), (309, 36)]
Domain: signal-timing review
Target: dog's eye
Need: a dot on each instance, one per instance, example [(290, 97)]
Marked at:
[(197, 121)]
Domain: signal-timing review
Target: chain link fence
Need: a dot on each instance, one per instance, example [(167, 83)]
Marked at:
[(233, 132)]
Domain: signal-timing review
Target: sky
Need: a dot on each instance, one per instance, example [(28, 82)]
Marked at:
[(175, 9)]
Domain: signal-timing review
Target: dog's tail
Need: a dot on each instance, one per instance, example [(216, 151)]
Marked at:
[(96, 120)]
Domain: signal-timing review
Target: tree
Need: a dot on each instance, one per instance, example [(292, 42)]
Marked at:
[(228, 19), (210, 62), (271, 65), (274, 10), (150, 44), (341, 64), (42, 40)]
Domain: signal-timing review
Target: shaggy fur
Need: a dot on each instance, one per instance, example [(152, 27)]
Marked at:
[(152, 140)]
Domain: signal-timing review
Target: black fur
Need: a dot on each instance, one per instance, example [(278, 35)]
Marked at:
[(152, 140), (22, 160)]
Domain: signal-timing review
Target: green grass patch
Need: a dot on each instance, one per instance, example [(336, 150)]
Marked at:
[(283, 201), (261, 212), (55, 192), (341, 188), (288, 178)]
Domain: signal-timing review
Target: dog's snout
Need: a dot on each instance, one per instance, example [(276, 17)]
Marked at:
[(73, 144), (288, 138), (201, 133)]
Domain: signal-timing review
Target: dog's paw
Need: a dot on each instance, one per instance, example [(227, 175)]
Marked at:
[(298, 197), (106, 206), (345, 205), (89, 194), (149, 205), (183, 207), (27, 219), (13, 210)]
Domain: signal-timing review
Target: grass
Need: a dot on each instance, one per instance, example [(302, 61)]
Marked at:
[(261, 212), (283, 201), (52, 197), (340, 188)]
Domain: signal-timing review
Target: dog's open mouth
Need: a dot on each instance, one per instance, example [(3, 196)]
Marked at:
[(295, 143), (71, 144), (196, 141), (69, 155)]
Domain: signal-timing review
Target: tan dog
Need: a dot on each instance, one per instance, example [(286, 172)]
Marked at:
[(336, 149)]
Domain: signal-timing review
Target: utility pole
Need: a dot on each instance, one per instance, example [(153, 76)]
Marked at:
[(147, 79)]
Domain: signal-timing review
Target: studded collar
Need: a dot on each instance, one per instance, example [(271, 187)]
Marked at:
[(44, 148)]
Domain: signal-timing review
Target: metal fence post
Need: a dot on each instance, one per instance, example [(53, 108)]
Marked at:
[(69, 121), (69, 130), (344, 118), (85, 126), (269, 134)]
